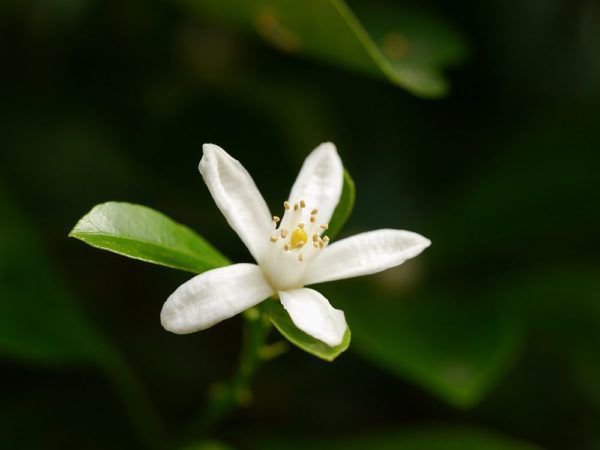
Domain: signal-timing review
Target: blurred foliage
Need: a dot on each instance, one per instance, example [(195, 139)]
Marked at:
[(409, 46), (31, 293), (495, 327), (431, 438)]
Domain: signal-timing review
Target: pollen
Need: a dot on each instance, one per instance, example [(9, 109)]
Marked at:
[(298, 238)]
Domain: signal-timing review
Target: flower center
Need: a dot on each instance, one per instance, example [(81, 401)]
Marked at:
[(299, 238), (305, 230)]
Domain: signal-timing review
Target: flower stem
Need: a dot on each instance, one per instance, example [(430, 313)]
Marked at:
[(230, 395)]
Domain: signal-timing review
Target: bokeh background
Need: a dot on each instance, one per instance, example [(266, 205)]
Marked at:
[(473, 123)]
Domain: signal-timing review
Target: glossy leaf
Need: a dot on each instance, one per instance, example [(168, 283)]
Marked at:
[(455, 350), (430, 438), (410, 48), (344, 208), (145, 234), (281, 319)]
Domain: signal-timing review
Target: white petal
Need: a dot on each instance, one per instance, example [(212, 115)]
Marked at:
[(320, 181), (312, 313), (214, 296), (237, 197), (364, 254)]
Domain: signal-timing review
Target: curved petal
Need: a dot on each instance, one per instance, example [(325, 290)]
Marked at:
[(237, 197), (364, 254), (311, 312), (214, 296), (320, 181)]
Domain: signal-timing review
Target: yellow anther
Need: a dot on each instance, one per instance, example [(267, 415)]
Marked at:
[(314, 212), (286, 205), (276, 219), (315, 237), (274, 238), (315, 245), (286, 247), (295, 206), (302, 204), (313, 219), (326, 239), (300, 225), (324, 226), (298, 238), (284, 232)]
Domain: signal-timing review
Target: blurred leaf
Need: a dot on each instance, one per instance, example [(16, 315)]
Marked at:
[(207, 445), (142, 233), (547, 178), (408, 47), (562, 306), (455, 350), (39, 319), (430, 438), (281, 319), (344, 208), (41, 322)]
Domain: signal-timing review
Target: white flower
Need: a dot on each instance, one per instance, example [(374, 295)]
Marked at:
[(291, 252)]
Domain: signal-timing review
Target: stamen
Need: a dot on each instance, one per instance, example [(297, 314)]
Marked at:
[(276, 219), (314, 212), (302, 204), (324, 226), (295, 206), (286, 247), (315, 237), (313, 219), (300, 225), (300, 257), (326, 239), (286, 205), (284, 232), (274, 238), (315, 245)]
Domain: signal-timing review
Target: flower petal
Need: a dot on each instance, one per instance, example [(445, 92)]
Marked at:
[(311, 312), (320, 181), (237, 197), (364, 254), (214, 296)]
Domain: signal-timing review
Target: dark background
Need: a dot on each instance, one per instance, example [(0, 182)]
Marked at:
[(489, 339)]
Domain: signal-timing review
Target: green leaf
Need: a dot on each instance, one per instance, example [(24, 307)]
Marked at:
[(456, 350), (344, 208), (145, 234), (281, 319), (40, 321), (422, 438), (409, 47)]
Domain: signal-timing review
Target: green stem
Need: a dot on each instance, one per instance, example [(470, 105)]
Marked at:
[(235, 393), (144, 418)]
